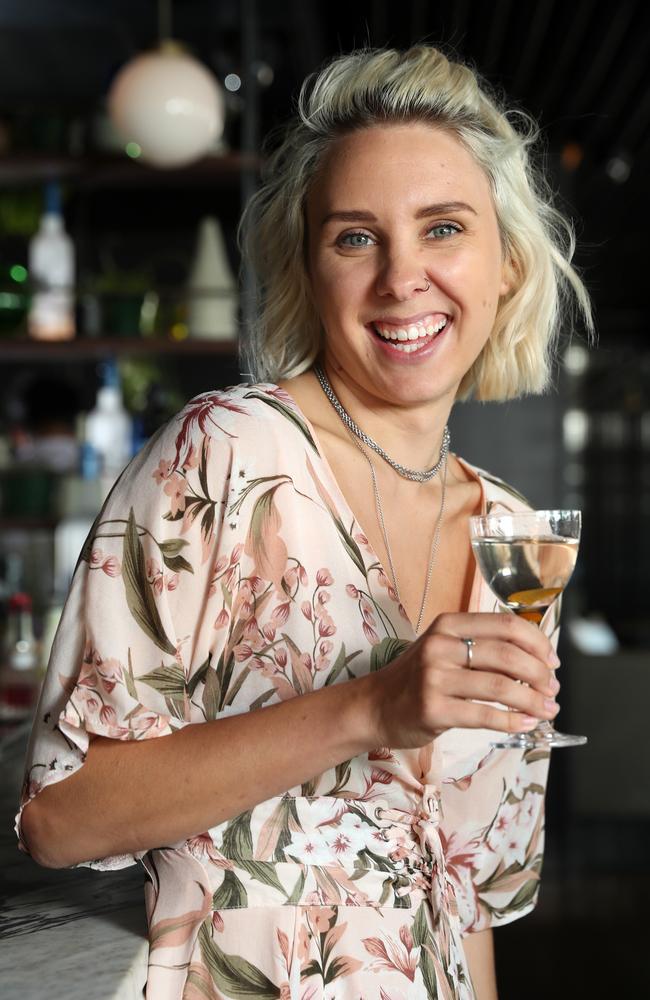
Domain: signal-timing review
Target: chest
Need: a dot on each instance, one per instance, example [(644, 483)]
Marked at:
[(432, 575)]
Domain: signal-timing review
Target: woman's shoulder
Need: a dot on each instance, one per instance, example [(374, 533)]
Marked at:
[(236, 407), (498, 491), (244, 414)]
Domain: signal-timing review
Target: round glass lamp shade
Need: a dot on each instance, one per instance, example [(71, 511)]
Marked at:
[(169, 104)]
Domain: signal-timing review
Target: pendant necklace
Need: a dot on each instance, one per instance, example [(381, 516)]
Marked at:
[(358, 436)]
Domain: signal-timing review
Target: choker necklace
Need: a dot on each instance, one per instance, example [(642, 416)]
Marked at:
[(413, 474)]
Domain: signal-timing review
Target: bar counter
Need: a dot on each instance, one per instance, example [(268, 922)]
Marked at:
[(64, 935)]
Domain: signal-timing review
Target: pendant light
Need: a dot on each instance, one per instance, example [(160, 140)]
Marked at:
[(167, 102)]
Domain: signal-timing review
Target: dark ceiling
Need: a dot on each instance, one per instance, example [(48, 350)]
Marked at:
[(581, 68)]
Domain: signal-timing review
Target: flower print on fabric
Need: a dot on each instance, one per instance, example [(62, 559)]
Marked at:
[(227, 573)]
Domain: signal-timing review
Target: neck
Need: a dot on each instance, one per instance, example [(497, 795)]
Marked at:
[(411, 434)]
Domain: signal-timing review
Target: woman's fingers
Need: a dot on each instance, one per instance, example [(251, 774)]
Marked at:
[(505, 660), (469, 715), (486, 686), (496, 653), (504, 626)]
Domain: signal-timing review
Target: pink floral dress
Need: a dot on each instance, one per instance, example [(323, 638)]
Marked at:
[(226, 572)]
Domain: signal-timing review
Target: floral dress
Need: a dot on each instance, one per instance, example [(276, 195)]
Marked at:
[(226, 572)]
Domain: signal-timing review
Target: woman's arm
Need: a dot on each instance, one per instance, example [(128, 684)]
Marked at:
[(479, 951), (133, 796)]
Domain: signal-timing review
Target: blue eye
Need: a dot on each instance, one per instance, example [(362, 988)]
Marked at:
[(444, 229), (355, 240)]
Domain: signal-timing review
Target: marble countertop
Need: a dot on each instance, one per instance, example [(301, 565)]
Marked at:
[(64, 935)]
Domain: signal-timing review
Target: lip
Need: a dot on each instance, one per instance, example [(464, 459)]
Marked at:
[(414, 357), (402, 321)]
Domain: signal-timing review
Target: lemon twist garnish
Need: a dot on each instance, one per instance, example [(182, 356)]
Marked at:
[(541, 596)]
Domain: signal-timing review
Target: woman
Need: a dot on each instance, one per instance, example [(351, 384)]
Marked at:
[(288, 564)]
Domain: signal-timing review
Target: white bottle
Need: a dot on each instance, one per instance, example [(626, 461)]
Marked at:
[(109, 428), (51, 262), (213, 292)]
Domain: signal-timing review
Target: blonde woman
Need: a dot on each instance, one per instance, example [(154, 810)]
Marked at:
[(278, 673)]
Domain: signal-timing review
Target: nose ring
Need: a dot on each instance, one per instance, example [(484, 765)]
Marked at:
[(428, 285)]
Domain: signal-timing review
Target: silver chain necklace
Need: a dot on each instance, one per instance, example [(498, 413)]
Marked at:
[(414, 475), (435, 541)]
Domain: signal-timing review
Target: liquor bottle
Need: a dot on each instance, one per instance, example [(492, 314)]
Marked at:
[(52, 273), (109, 428), (19, 676)]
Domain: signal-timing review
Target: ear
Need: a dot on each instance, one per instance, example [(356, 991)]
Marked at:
[(509, 276)]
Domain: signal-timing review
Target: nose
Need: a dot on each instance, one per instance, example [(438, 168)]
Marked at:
[(402, 277)]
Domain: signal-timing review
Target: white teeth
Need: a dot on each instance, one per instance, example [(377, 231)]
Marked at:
[(413, 333)]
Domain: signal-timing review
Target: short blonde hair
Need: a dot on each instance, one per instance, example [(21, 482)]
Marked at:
[(381, 87)]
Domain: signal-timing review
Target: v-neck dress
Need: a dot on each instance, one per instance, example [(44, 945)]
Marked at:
[(225, 573)]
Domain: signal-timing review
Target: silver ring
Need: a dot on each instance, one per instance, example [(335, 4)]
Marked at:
[(428, 285), (469, 643)]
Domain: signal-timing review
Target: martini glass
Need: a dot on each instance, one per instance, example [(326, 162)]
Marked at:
[(527, 560)]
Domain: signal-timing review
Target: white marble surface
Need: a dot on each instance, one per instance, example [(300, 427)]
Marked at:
[(65, 935)]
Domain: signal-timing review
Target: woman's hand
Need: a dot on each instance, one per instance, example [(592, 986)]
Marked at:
[(431, 688)]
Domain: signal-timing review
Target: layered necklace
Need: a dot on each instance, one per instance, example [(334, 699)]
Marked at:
[(360, 438)]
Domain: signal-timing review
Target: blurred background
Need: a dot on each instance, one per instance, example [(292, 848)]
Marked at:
[(120, 298)]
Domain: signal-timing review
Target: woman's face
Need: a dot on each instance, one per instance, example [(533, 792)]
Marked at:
[(405, 261)]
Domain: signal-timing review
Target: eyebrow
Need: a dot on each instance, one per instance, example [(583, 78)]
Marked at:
[(440, 208)]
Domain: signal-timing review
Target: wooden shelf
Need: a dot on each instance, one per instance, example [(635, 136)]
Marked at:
[(10, 523), (118, 171), (101, 347)]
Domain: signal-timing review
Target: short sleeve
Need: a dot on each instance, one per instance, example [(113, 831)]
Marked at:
[(493, 822), (138, 632)]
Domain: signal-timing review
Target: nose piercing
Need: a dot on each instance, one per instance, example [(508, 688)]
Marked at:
[(428, 285)]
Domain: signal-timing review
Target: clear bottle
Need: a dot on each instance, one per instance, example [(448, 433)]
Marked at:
[(51, 268), (19, 675), (109, 427)]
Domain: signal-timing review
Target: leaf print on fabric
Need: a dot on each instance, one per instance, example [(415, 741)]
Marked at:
[(263, 542), (349, 543), (276, 832), (172, 931), (386, 650), (235, 976), (237, 846), (168, 681), (139, 596), (231, 893), (326, 935), (199, 984), (286, 411), (396, 956), (170, 551), (300, 672), (342, 661)]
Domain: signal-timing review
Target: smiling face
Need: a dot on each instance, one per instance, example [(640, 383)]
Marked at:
[(405, 261)]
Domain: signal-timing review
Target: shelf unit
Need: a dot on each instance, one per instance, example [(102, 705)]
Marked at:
[(89, 348), (216, 180), (118, 171)]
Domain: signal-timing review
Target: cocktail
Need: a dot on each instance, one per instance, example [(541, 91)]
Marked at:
[(527, 560)]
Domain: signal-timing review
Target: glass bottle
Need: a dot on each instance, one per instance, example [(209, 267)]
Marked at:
[(19, 675)]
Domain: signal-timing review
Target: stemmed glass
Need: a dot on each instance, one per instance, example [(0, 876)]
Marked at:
[(527, 560)]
